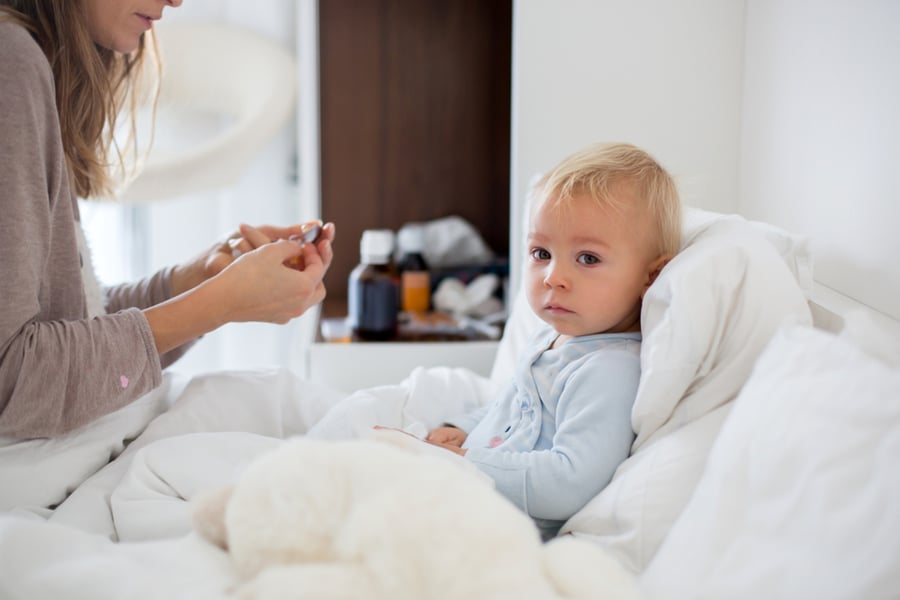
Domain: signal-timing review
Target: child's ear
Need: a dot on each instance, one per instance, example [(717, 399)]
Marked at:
[(653, 270)]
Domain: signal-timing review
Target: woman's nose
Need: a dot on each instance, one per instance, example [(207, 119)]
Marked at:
[(174, 3)]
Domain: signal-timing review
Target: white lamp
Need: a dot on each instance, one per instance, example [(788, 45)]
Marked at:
[(225, 93)]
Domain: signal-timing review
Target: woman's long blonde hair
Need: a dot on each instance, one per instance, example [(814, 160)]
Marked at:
[(93, 86)]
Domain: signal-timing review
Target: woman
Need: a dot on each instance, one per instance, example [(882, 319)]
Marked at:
[(69, 67)]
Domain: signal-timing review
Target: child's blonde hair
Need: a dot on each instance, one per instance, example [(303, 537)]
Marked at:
[(600, 168)]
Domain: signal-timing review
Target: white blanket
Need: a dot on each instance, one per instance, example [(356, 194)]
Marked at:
[(46, 561), (128, 476), (79, 471), (150, 499)]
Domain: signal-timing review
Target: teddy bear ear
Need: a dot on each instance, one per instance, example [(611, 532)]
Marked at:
[(208, 515)]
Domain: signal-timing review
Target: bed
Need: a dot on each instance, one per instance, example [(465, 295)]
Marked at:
[(767, 431)]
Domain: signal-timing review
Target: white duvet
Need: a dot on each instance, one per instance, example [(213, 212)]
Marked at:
[(103, 512)]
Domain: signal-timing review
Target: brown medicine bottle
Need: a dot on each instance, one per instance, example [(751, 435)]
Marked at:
[(373, 291), (415, 280)]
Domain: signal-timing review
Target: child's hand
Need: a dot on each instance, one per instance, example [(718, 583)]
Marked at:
[(447, 436), (454, 449)]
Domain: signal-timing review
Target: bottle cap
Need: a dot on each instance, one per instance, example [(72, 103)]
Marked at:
[(411, 238), (376, 246)]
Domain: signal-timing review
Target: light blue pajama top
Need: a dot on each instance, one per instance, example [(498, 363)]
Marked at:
[(555, 437)]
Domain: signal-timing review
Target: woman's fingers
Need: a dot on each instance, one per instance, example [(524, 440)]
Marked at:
[(312, 261), (238, 245), (323, 244), (255, 237), (249, 237), (316, 256), (283, 233), (328, 232)]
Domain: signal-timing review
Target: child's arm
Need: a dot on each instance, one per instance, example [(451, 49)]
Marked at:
[(593, 436)]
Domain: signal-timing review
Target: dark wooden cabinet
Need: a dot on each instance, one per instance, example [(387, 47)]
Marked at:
[(415, 118)]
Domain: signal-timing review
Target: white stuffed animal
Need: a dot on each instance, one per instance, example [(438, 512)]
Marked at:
[(391, 518)]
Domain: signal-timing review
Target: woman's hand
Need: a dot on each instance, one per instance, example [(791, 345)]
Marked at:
[(214, 260), (258, 286)]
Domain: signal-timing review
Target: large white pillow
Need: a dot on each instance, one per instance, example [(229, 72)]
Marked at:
[(793, 248), (705, 321), (801, 494)]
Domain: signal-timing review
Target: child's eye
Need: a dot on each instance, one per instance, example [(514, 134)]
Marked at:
[(588, 259), (540, 254)]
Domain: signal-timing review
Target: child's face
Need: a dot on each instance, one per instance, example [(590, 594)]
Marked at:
[(588, 266)]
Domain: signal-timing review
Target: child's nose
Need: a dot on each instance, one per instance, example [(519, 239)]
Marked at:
[(556, 276)]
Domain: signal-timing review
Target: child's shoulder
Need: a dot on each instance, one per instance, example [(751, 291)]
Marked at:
[(626, 339), (619, 348)]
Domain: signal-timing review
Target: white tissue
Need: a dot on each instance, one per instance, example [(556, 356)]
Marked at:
[(475, 299), (453, 241)]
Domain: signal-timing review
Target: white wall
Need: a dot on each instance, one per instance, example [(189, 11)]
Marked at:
[(821, 136), (663, 75)]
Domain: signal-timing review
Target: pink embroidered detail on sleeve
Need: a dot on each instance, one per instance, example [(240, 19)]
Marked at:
[(495, 441), (123, 381)]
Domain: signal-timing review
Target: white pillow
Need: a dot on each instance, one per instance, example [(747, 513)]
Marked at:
[(705, 320), (801, 494), (793, 248)]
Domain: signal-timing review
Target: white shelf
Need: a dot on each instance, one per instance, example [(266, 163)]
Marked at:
[(357, 365)]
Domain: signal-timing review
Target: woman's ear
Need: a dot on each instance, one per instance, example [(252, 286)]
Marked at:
[(653, 270)]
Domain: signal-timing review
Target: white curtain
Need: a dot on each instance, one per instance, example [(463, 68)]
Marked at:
[(130, 241)]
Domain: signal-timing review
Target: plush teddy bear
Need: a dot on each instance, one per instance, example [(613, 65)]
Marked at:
[(391, 518)]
